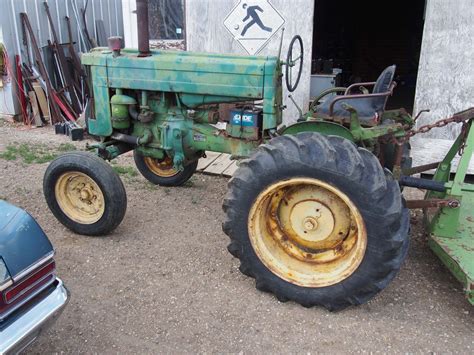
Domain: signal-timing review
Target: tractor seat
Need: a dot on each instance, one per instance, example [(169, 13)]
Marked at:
[(369, 109)]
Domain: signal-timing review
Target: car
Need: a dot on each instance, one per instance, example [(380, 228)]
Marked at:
[(31, 295)]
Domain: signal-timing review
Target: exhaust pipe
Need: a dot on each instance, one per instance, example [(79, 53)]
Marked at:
[(142, 29)]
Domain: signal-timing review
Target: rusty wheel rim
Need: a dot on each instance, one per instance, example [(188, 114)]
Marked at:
[(79, 197), (161, 167), (307, 232)]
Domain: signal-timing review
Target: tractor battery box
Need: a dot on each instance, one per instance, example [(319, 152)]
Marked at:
[(245, 124)]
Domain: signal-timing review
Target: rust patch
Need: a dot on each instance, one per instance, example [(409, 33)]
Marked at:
[(272, 225)]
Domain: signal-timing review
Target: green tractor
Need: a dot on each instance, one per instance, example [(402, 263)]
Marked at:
[(314, 212)]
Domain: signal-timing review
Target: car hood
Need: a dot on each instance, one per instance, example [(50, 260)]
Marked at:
[(22, 241)]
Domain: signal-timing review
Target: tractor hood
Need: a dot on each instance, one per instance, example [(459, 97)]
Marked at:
[(22, 241), (197, 78)]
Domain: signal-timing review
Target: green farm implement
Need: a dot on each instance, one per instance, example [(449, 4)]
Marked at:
[(315, 211)]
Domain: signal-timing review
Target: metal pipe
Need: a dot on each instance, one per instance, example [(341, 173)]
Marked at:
[(133, 140), (425, 184), (133, 112), (144, 98), (350, 87), (142, 28), (360, 96), (125, 138), (421, 168)]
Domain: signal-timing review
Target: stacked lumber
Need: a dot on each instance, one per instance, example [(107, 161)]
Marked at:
[(52, 84)]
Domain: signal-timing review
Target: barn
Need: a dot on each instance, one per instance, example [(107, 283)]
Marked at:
[(430, 41)]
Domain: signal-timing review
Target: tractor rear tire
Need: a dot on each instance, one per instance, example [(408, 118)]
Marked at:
[(162, 172), (309, 183), (84, 193)]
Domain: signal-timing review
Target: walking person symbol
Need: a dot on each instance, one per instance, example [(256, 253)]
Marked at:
[(252, 13)]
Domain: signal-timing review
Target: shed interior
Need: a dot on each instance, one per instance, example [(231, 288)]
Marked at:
[(361, 38)]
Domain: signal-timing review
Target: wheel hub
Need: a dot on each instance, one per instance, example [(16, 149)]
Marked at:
[(310, 224), (86, 194), (307, 232), (163, 168), (308, 221), (79, 197), (311, 221)]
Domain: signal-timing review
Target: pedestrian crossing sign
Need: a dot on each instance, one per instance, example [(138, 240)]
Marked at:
[(252, 23)]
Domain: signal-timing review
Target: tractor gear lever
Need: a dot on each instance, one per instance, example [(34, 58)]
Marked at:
[(301, 118)]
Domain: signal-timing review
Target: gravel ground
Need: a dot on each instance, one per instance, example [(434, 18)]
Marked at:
[(164, 282)]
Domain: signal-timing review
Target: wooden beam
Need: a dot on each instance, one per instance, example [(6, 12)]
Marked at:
[(35, 108), (43, 103)]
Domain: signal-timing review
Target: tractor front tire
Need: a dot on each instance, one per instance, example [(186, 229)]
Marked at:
[(84, 193), (316, 220), (161, 172)]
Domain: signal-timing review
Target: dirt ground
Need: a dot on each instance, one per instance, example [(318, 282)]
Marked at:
[(164, 281)]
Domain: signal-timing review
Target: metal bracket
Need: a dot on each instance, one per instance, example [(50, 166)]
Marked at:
[(433, 203)]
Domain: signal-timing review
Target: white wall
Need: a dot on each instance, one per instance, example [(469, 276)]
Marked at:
[(205, 32), (130, 23), (446, 71)]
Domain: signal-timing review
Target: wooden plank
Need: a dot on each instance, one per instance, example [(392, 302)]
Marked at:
[(205, 162), (219, 165), (43, 103), (231, 169), (34, 106)]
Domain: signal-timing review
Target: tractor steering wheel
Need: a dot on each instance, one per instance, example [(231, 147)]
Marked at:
[(292, 62)]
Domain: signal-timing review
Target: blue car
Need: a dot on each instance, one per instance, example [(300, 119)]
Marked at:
[(31, 296)]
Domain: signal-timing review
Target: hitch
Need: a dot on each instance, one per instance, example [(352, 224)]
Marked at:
[(433, 203)]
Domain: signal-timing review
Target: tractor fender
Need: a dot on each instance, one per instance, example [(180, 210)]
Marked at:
[(323, 127)]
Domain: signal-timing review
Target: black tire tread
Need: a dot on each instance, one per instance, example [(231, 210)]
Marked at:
[(376, 193), (108, 181)]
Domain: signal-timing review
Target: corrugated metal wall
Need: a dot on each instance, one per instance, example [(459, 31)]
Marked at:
[(109, 11)]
